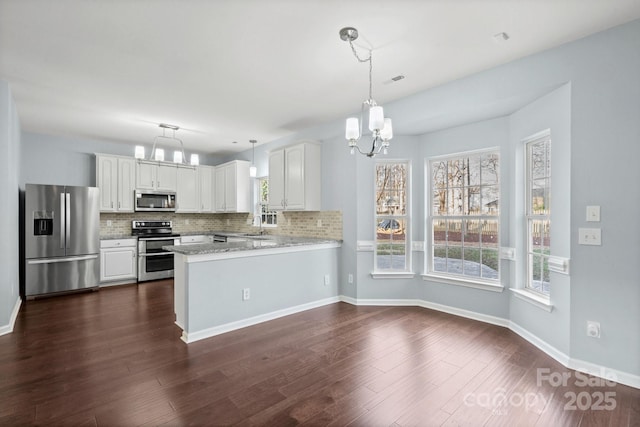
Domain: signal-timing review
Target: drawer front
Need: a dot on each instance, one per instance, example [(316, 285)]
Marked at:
[(118, 243)]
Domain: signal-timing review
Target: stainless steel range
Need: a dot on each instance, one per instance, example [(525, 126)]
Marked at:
[(154, 262)]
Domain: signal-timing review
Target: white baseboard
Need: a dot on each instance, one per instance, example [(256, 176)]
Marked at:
[(606, 373), (7, 329), (542, 345), (232, 326), (575, 364)]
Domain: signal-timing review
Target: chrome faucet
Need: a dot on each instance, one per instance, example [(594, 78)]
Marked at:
[(259, 218)]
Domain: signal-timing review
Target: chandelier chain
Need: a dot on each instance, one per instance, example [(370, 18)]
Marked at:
[(370, 61)]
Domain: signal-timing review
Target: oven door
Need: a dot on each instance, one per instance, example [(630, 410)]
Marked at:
[(154, 262)]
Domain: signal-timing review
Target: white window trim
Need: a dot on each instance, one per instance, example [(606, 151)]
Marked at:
[(533, 298), (477, 284), (392, 275), (429, 274), (408, 271), (527, 292)]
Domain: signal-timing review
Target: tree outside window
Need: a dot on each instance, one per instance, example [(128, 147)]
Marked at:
[(538, 214), (464, 219), (391, 192)]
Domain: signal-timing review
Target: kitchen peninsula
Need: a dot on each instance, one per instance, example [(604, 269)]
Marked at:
[(220, 287)]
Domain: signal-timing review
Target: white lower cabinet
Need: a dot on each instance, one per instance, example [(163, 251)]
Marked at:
[(196, 239), (118, 260)]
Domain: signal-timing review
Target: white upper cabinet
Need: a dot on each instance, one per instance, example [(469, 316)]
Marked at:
[(115, 177), (205, 178), (294, 178), (156, 176), (187, 197), (232, 192)]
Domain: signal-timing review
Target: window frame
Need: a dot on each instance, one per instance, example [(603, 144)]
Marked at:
[(530, 217), (452, 278), (260, 208), (408, 270)]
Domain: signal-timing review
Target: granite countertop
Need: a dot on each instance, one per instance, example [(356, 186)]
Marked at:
[(251, 243)]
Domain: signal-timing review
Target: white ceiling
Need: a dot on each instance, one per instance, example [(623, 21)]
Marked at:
[(236, 70)]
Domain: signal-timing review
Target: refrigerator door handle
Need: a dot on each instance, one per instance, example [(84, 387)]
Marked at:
[(67, 229), (65, 259), (63, 221)]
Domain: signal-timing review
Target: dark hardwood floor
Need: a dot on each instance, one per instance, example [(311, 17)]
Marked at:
[(114, 358)]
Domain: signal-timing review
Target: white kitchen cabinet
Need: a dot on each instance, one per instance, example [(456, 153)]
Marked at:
[(205, 181), (118, 260), (156, 176), (187, 194), (116, 179), (294, 178), (196, 239), (232, 192)]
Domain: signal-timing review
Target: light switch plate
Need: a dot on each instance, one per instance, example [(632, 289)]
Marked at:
[(593, 213), (589, 236)]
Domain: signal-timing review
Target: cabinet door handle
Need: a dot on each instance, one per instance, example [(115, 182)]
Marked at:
[(111, 205), (119, 205)]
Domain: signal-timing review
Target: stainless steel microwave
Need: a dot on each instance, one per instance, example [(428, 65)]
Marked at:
[(155, 201)]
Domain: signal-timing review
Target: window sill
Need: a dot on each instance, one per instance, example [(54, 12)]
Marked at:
[(534, 299), (466, 283), (393, 275)]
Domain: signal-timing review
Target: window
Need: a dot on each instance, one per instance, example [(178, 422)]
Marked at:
[(392, 221), (464, 221), (538, 213), (261, 190)]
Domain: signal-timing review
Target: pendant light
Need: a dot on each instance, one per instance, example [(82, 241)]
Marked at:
[(380, 127), (253, 171)]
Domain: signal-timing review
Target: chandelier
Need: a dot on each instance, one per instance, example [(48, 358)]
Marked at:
[(380, 127)]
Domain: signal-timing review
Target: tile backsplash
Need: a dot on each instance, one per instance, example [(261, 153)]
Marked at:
[(322, 224)]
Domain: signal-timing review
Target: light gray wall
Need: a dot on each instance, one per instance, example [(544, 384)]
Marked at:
[(50, 159), (605, 280), (276, 282), (552, 112), (493, 133), (9, 208)]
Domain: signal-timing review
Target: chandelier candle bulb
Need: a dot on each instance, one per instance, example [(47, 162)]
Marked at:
[(139, 153), (195, 159), (386, 133), (376, 118), (177, 156), (160, 154), (353, 129)]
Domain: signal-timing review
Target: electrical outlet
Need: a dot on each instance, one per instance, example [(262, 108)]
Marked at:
[(350, 278), (249, 221), (246, 294), (288, 221), (228, 222), (186, 222), (319, 224), (593, 329), (109, 223), (327, 280), (590, 236)]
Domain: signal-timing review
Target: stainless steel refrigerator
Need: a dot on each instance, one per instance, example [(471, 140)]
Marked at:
[(62, 239)]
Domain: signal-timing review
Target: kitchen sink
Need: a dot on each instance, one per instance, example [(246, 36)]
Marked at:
[(256, 236)]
